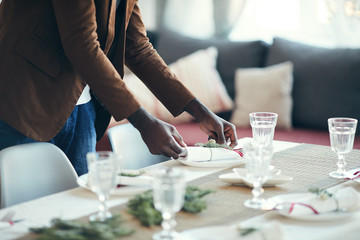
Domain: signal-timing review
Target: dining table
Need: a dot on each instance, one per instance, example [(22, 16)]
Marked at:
[(306, 165)]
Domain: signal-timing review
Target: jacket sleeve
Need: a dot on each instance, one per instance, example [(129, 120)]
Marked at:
[(142, 59), (77, 27)]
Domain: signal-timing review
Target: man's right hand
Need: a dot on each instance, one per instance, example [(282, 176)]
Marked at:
[(160, 137)]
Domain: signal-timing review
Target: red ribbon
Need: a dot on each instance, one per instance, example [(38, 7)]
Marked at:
[(239, 151), (292, 205), (356, 174)]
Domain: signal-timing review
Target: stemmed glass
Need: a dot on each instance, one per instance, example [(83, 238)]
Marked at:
[(342, 133), (258, 159), (102, 167), (263, 127), (169, 190)]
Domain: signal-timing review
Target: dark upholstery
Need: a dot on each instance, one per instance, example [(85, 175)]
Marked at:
[(232, 55), (153, 37), (326, 81)]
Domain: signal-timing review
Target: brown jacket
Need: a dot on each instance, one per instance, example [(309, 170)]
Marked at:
[(50, 49)]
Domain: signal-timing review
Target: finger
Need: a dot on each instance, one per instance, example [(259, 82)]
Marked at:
[(220, 135), (184, 153), (178, 138), (166, 155), (233, 140), (173, 149), (178, 150), (212, 135), (175, 154), (231, 134)]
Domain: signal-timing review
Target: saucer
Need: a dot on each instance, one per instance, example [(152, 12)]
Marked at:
[(272, 171), (239, 178)]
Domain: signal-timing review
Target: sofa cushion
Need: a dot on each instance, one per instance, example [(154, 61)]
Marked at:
[(198, 73), (264, 90), (326, 81), (232, 55)]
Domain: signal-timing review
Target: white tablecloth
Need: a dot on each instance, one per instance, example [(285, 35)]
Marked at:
[(80, 202)]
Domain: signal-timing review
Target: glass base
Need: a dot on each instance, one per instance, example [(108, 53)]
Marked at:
[(339, 174), (256, 204), (167, 235), (100, 217)]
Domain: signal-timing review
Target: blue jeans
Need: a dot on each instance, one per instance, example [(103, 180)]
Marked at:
[(76, 138)]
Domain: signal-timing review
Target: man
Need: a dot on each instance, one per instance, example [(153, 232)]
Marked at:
[(51, 50)]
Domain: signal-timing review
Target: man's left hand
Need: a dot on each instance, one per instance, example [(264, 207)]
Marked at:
[(215, 127)]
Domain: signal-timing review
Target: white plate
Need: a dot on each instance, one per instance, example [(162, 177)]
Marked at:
[(121, 191), (272, 171), (323, 217), (234, 178), (211, 233), (143, 179), (213, 164)]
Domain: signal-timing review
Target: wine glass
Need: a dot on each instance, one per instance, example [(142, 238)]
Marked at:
[(263, 127), (103, 166), (258, 159), (169, 192), (342, 133)]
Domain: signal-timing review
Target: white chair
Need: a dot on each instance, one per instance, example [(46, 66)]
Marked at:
[(126, 140), (33, 170)]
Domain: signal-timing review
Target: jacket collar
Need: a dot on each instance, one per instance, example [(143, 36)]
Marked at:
[(129, 6)]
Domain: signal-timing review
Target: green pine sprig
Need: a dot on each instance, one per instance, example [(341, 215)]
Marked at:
[(246, 231), (142, 205), (135, 174), (75, 230), (322, 193), (212, 144)]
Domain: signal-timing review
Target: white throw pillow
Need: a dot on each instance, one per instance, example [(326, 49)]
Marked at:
[(198, 73), (264, 90)]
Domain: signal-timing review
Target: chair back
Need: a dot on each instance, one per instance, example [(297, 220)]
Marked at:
[(33, 170), (126, 140)]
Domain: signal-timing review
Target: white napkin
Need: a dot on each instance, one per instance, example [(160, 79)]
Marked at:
[(202, 154), (343, 199), (7, 220), (5, 224)]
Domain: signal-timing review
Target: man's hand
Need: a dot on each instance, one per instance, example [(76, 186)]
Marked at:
[(161, 138), (217, 128)]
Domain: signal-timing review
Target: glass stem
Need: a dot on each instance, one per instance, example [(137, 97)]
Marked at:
[(341, 163), (103, 207), (257, 191), (168, 222)]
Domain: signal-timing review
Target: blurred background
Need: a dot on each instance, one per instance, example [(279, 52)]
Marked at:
[(327, 23)]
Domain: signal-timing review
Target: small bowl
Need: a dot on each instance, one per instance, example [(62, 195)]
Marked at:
[(272, 171)]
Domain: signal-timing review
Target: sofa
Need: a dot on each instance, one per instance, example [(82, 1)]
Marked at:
[(307, 84)]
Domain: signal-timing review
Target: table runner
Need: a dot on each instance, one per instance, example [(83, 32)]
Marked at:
[(308, 164)]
